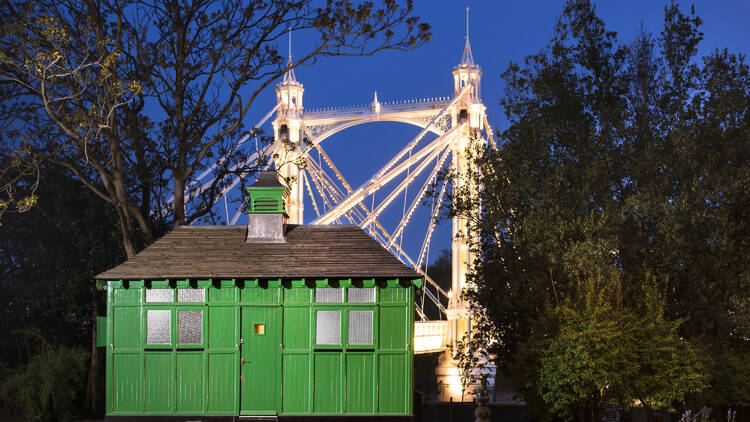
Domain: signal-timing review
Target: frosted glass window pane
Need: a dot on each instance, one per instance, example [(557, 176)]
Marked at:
[(328, 327), (191, 295), (158, 295), (158, 327), (190, 327), (361, 295), (329, 295), (360, 327)]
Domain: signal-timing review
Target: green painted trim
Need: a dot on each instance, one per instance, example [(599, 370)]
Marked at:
[(274, 283), (108, 361), (417, 282), (410, 350), (101, 331), (392, 282), (345, 282), (228, 283), (251, 283), (257, 413), (160, 284), (298, 283), (182, 283), (204, 283), (100, 284), (369, 282), (322, 283)]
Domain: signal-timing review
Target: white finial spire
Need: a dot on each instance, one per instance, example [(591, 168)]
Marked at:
[(467, 58), (375, 103), (289, 76), (467, 24)]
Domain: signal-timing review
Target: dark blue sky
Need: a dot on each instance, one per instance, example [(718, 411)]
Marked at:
[(500, 31)]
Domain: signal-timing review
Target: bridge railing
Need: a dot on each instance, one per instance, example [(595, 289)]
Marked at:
[(430, 336), (385, 107)]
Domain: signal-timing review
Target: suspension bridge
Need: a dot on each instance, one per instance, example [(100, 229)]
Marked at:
[(448, 127)]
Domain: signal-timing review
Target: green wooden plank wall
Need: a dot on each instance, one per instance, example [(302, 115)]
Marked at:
[(172, 379)]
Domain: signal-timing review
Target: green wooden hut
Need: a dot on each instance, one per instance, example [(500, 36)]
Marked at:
[(264, 321)]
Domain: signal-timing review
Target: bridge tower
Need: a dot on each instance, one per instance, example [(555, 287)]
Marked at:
[(287, 132), (471, 110)]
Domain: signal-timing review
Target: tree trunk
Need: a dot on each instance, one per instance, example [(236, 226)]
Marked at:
[(179, 199), (125, 229), (94, 361)]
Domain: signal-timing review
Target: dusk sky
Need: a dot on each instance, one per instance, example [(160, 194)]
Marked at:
[(500, 32)]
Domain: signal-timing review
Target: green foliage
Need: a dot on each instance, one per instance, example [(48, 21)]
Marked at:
[(471, 356), (624, 164), (50, 387), (585, 352)]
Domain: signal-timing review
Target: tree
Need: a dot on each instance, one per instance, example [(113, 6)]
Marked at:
[(144, 96), (587, 352), (48, 257), (624, 163)]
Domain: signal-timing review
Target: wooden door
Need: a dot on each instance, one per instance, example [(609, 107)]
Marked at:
[(260, 360)]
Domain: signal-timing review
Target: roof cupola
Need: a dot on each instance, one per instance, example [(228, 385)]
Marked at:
[(266, 209)]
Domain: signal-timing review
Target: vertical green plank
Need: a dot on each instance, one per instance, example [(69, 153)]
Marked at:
[(410, 357), (127, 296), (260, 295), (224, 294), (158, 382), (296, 328), (393, 295), (391, 384), (222, 383), (127, 391), (360, 383), (393, 327), (328, 389), (108, 351), (127, 327), (296, 373), (101, 331), (298, 295), (189, 381), (221, 327)]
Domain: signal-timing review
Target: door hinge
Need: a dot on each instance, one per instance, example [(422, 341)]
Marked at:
[(242, 341), (242, 362), (242, 378)]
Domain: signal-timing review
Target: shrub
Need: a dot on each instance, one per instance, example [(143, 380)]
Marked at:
[(51, 386)]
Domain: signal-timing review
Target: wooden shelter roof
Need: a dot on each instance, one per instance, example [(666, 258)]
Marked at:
[(200, 252)]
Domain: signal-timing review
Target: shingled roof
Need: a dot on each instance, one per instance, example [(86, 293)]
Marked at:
[(200, 252)]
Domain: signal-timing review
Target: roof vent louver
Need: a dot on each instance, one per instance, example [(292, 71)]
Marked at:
[(266, 209)]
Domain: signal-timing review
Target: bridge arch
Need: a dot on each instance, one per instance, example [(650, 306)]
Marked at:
[(370, 119)]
